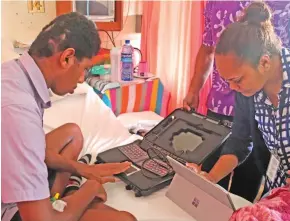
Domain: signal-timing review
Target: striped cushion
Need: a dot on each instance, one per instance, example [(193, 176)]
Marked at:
[(147, 96)]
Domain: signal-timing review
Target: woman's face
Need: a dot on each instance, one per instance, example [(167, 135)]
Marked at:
[(242, 76)]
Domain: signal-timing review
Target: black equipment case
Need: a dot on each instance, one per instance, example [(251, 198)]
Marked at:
[(208, 136)]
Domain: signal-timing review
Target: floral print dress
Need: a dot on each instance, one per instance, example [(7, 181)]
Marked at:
[(275, 207), (219, 14)]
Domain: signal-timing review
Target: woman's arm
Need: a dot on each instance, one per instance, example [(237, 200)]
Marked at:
[(238, 147)]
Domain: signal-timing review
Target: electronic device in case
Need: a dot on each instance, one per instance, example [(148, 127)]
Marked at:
[(184, 136)]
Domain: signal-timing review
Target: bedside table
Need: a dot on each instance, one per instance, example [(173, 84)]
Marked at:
[(136, 96)]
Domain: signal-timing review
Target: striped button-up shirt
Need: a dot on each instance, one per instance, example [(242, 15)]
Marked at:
[(274, 123)]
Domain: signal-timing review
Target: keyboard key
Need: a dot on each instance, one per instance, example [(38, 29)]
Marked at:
[(155, 168), (134, 153)]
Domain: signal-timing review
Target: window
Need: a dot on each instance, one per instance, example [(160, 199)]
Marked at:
[(108, 15)]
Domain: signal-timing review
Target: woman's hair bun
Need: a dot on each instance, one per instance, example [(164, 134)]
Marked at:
[(257, 13)]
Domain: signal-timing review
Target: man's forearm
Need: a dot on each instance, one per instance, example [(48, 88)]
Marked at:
[(58, 162), (203, 67), (224, 166), (77, 203)]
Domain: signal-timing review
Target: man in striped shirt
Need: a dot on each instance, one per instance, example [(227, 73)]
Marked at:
[(35, 165)]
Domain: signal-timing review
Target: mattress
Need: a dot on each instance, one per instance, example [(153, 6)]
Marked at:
[(103, 130)]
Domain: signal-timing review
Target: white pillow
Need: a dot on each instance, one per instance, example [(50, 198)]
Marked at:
[(101, 129), (7, 50), (134, 118), (81, 89)]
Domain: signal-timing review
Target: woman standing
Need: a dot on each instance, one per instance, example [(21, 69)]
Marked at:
[(220, 101), (251, 58)]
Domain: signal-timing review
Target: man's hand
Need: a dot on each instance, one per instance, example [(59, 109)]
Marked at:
[(191, 101), (197, 169), (102, 172)]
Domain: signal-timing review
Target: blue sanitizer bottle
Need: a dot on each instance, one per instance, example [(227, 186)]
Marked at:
[(127, 66)]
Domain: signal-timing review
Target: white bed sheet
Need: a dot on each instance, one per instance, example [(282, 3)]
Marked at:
[(99, 125), (102, 131)]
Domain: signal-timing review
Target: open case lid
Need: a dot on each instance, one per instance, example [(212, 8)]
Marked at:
[(188, 135)]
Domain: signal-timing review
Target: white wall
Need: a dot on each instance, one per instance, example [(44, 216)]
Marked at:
[(18, 24), (135, 7), (130, 10)]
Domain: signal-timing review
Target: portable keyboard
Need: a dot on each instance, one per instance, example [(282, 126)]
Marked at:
[(137, 155), (156, 168), (157, 144)]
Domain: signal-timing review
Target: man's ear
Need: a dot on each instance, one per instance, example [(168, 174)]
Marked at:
[(67, 58), (264, 64)]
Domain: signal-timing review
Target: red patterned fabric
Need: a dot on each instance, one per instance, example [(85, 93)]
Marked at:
[(275, 207)]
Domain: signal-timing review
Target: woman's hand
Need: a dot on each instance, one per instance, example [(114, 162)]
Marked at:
[(194, 167), (103, 172), (288, 179), (197, 169)]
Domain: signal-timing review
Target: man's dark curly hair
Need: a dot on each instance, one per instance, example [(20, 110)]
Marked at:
[(71, 30)]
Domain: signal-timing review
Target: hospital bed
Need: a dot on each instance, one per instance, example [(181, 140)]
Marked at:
[(103, 130)]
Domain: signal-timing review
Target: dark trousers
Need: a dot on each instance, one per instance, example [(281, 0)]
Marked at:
[(247, 178)]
